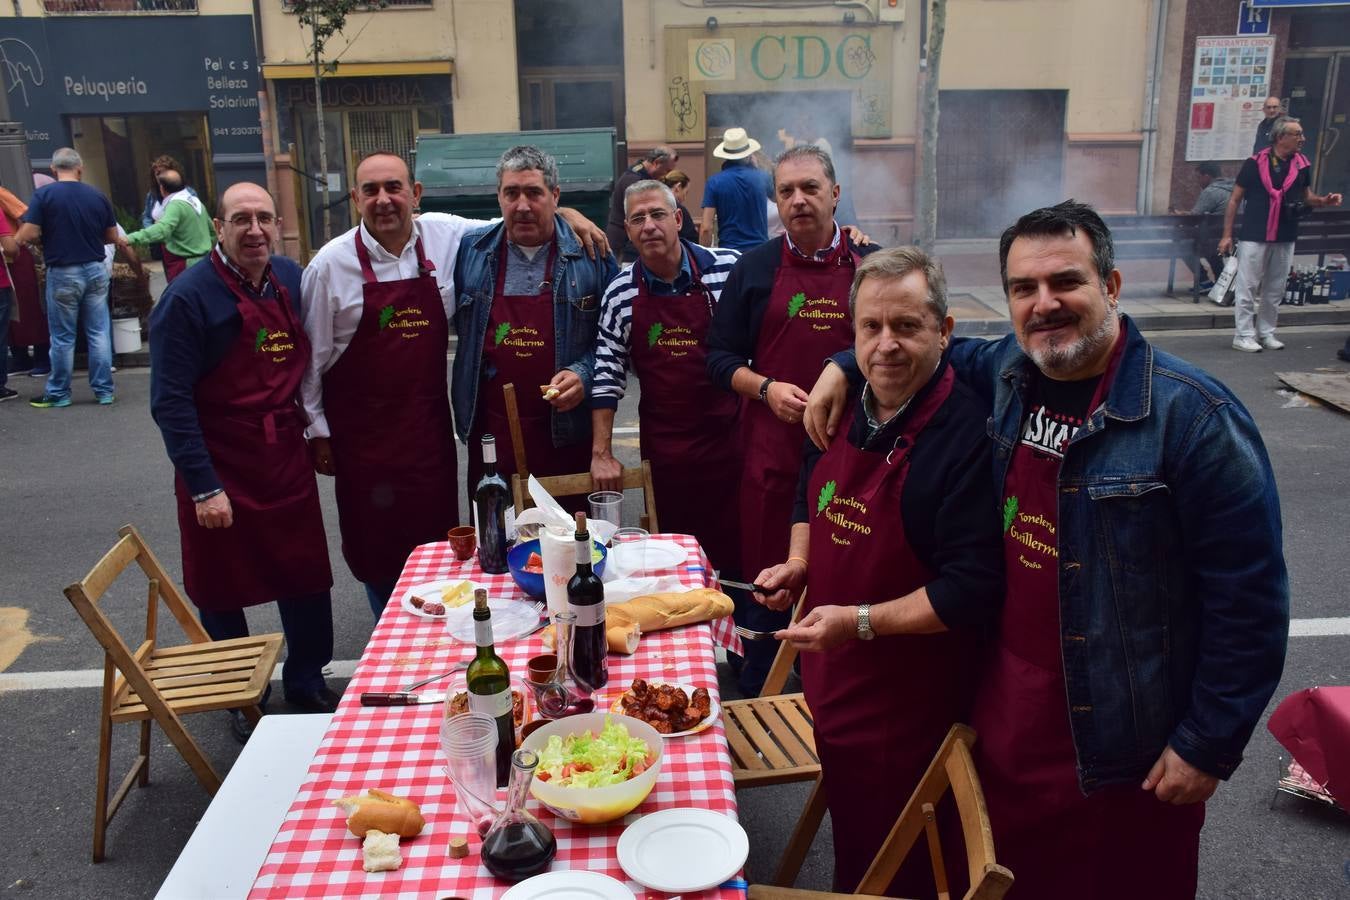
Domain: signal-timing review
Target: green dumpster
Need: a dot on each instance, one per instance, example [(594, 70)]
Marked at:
[(459, 171)]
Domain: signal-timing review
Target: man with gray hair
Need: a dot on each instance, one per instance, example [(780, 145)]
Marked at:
[(895, 539), (1277, 185), (655, 318), (73, 221), (526, 311), (653, 166)]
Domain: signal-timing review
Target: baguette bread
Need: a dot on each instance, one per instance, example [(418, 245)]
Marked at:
[(378, 811), (657, 612), (621, 639)]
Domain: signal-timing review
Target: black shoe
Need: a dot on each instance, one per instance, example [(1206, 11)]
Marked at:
[(240, 726), (7, 394), (322, 700), (1343, 354)]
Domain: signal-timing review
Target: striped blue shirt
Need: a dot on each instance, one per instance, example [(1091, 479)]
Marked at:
[(616, 320)]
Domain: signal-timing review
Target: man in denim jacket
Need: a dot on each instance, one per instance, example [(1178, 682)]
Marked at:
[(526, 312), (1146, 584)]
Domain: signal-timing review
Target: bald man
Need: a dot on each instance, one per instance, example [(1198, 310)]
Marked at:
[(1273, 109), (229, 355)]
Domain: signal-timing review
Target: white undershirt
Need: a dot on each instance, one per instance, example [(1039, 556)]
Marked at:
[(331, 299)]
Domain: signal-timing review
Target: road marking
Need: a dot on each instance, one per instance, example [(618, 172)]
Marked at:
[(344, 668), (625, 430)]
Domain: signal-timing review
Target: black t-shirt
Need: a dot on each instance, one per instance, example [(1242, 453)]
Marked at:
[(1253, 224), (1055, 412)]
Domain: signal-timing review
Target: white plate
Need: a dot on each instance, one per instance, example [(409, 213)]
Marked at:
[(713, 712), (683, 850), (660, 554), (435, 586), (567, 885), (510, 619)]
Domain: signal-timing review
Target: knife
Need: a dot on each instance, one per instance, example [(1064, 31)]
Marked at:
[(753, 588), (399, 698)]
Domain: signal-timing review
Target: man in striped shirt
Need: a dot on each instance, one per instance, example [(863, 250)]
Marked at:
[(655, 317)]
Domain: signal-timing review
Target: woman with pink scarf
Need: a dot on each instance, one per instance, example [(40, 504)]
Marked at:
[(1277, 185)]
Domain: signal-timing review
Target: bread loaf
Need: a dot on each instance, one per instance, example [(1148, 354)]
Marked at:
[(657, 612), (380, 853), (378, 811)]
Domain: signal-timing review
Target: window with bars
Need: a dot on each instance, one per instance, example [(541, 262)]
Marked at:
[(371, 130), (117, 7)]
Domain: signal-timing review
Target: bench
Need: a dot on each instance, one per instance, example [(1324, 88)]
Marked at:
[(1324, 231), (222, 858)]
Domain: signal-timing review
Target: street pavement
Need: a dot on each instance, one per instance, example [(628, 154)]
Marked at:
[(69, 478)]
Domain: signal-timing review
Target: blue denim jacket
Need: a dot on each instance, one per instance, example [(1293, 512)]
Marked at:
[(1173, 594), (579, 283)]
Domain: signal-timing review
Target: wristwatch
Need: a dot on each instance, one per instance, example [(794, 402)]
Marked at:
[(764, 390), (865, 632)]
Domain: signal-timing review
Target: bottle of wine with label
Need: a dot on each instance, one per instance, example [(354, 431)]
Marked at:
[(586, 598), (490, 686), (490, 503)]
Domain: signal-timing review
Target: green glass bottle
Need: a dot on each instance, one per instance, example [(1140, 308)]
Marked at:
[(490, 686)]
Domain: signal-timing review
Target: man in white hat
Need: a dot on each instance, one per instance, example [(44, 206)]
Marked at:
[(735, 198)]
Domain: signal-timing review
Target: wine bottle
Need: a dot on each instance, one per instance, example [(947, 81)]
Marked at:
[(586, 598), (490, 502), (490, 686)]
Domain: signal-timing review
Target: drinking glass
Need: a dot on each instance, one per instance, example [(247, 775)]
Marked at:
[(607, 505), (469, 742), (628, 552)]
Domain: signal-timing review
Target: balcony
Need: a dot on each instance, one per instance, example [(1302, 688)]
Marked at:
[(119, 7)]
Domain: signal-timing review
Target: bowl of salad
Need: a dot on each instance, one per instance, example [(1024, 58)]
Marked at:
[(594, 767), (527, 566)]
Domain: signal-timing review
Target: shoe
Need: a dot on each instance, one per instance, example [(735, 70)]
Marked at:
[(1343, 354), (7, 394), (1270, 342), (18, 368), (46, 401), (240, 726), (42, 372), (1204, 287), (1247, 345), (321, 701), (107, 400)]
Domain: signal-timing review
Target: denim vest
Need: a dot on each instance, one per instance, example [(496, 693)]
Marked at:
[(1173, 593), (579, 282)]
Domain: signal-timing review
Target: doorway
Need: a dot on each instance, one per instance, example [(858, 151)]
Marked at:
[(117, 151), (569, 55), (1317, 92)]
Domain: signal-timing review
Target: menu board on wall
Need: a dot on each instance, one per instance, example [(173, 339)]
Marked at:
[(1230, 80)]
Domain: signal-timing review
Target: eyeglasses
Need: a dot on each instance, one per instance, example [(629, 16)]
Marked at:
[(658, 217), (245, 220)]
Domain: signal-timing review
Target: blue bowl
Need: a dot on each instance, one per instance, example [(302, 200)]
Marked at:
[(532, 583)]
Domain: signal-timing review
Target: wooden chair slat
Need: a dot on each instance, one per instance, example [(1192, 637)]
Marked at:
[(788, 737), (750, 726)]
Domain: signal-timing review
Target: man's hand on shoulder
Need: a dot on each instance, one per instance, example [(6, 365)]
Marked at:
[(1175, 781), (215, 512), (592, 237)]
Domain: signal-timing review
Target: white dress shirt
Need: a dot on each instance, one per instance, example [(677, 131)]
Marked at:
[(331, 298)]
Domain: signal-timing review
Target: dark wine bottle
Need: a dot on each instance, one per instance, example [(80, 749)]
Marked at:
[(490, 686), (586, 598), (490, 502)]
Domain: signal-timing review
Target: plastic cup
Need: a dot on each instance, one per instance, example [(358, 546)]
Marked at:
[(463, 541), (469, 742), (628, 552), (607, 505)]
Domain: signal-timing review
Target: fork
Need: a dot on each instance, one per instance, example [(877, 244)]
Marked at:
[(749, 634)]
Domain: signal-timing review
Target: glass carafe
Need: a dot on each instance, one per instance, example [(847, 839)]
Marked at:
[(562, 695), (518, 845)]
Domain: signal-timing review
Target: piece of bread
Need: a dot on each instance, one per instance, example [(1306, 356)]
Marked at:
[(549, 391), (379, 852), (378, 811), (657, 612)]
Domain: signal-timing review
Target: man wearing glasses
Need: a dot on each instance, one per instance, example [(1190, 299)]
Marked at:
[(655, 317), (1273, 111), (229, 355)]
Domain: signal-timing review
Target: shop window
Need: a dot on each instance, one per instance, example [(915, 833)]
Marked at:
[(570, 60), (118, 7)]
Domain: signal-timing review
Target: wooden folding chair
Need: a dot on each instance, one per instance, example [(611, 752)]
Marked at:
[(572, 485), (163, 683), (772, 741), (952, 769)]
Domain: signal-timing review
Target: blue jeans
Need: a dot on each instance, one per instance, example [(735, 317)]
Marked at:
[(74, 292), (6, 301)]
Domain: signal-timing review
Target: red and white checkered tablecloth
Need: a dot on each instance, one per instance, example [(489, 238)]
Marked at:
[(397, 749)]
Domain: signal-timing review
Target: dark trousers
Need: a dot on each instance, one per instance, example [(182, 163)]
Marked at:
[(307, 623), (6, 301), (378, 593), (753, 668)]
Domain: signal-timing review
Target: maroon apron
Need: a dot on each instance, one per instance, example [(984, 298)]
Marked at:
[(807, 321), (689, 425), (520, 348), (31, 328), (255, 433), (389, 413), (173, 265), (881, 707), (1118, 842)]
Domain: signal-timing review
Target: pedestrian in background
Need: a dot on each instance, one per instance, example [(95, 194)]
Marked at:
[(657, 162), (734, 200), (73, 221), (1215, 191), (10, 249), (184, 227), (678, 182)]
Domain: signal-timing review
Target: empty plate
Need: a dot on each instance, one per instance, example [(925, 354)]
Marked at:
[(568, 885), (683, 850)]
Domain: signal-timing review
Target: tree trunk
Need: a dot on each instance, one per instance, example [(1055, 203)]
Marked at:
[(925, 228), (323, 140)]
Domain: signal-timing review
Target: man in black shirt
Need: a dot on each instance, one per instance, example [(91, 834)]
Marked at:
[(1272, 110), (1276, 183), (654, 165)]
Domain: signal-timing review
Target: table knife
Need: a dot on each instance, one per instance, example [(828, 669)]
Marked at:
[(753, 588), (399, 698)]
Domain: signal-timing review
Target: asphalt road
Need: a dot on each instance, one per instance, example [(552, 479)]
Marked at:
[(69, 478)]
